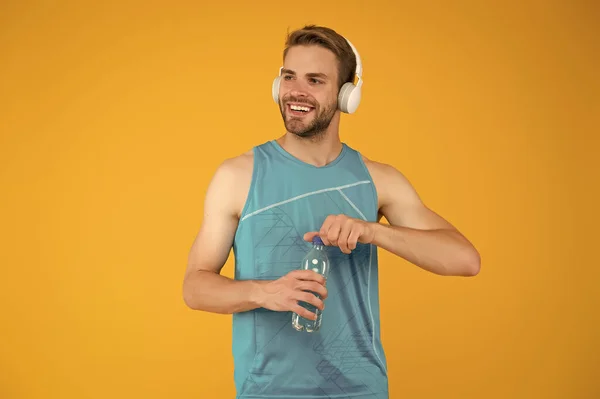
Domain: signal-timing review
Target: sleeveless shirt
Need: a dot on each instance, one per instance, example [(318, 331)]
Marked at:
[(345, 358)]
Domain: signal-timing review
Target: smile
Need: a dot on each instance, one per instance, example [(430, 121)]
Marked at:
[(299, 109)]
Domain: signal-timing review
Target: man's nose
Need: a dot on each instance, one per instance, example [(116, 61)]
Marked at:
[(298, 93), (299, 88)]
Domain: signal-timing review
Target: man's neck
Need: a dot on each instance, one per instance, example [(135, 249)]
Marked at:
[(318, 152)]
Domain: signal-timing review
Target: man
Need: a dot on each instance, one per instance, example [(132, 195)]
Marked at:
[(268, 204)]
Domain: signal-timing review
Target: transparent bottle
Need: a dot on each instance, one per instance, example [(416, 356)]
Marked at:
[(315, 260)]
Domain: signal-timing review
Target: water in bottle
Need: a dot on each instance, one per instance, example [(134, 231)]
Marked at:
[(315, 260)]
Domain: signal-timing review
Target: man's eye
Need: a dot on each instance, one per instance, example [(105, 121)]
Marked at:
[(287, 77), (317, 81)]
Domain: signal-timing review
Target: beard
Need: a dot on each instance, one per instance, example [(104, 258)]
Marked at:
[(299, 126)]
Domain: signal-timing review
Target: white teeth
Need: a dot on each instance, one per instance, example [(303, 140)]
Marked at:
[(299, 108)]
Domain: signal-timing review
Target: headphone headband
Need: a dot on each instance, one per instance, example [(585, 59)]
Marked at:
[(358, 71)]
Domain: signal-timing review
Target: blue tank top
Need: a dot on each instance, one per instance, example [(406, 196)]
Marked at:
[(345, 358)]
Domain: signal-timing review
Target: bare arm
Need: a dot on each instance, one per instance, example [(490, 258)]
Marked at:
[(417, 233), (204, 288)]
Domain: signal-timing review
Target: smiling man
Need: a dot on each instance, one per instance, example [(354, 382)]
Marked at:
[(268, 204)]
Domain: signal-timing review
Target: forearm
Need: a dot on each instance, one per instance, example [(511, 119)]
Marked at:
[(212, 292), (442, 251)]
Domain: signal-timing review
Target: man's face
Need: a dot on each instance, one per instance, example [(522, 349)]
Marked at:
[(308, 90)]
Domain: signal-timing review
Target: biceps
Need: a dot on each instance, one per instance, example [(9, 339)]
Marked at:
[(213, 243), (403, 207), (414, 215)]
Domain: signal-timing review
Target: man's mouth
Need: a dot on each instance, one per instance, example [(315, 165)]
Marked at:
[(299, 110)]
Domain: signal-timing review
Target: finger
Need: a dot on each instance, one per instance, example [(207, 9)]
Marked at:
[(314, 287), (353, 238), (333, 233), (344, 234), (329, 221), (307, 314), (310, 275), (310, 235), (310, 298)]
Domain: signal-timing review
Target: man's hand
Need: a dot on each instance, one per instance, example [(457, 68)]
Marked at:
[(344, 232), (284, 293)]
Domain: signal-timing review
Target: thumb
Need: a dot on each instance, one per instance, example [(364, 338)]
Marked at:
[(310, 235)]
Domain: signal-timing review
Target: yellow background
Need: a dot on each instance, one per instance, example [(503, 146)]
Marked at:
[(113, 117)]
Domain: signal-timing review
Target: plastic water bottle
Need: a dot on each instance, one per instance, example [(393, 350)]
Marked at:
[(317, 261)]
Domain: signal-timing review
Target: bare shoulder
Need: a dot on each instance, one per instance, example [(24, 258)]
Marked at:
[(380, 170), (238, 165), (390, 183), (399, 201), (232, 180)]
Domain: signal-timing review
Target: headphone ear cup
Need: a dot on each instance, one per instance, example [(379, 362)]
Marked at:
[(354, 99), (275, 89), (349, 98)]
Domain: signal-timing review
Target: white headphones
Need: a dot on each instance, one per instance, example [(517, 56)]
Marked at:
[(349, 95)]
